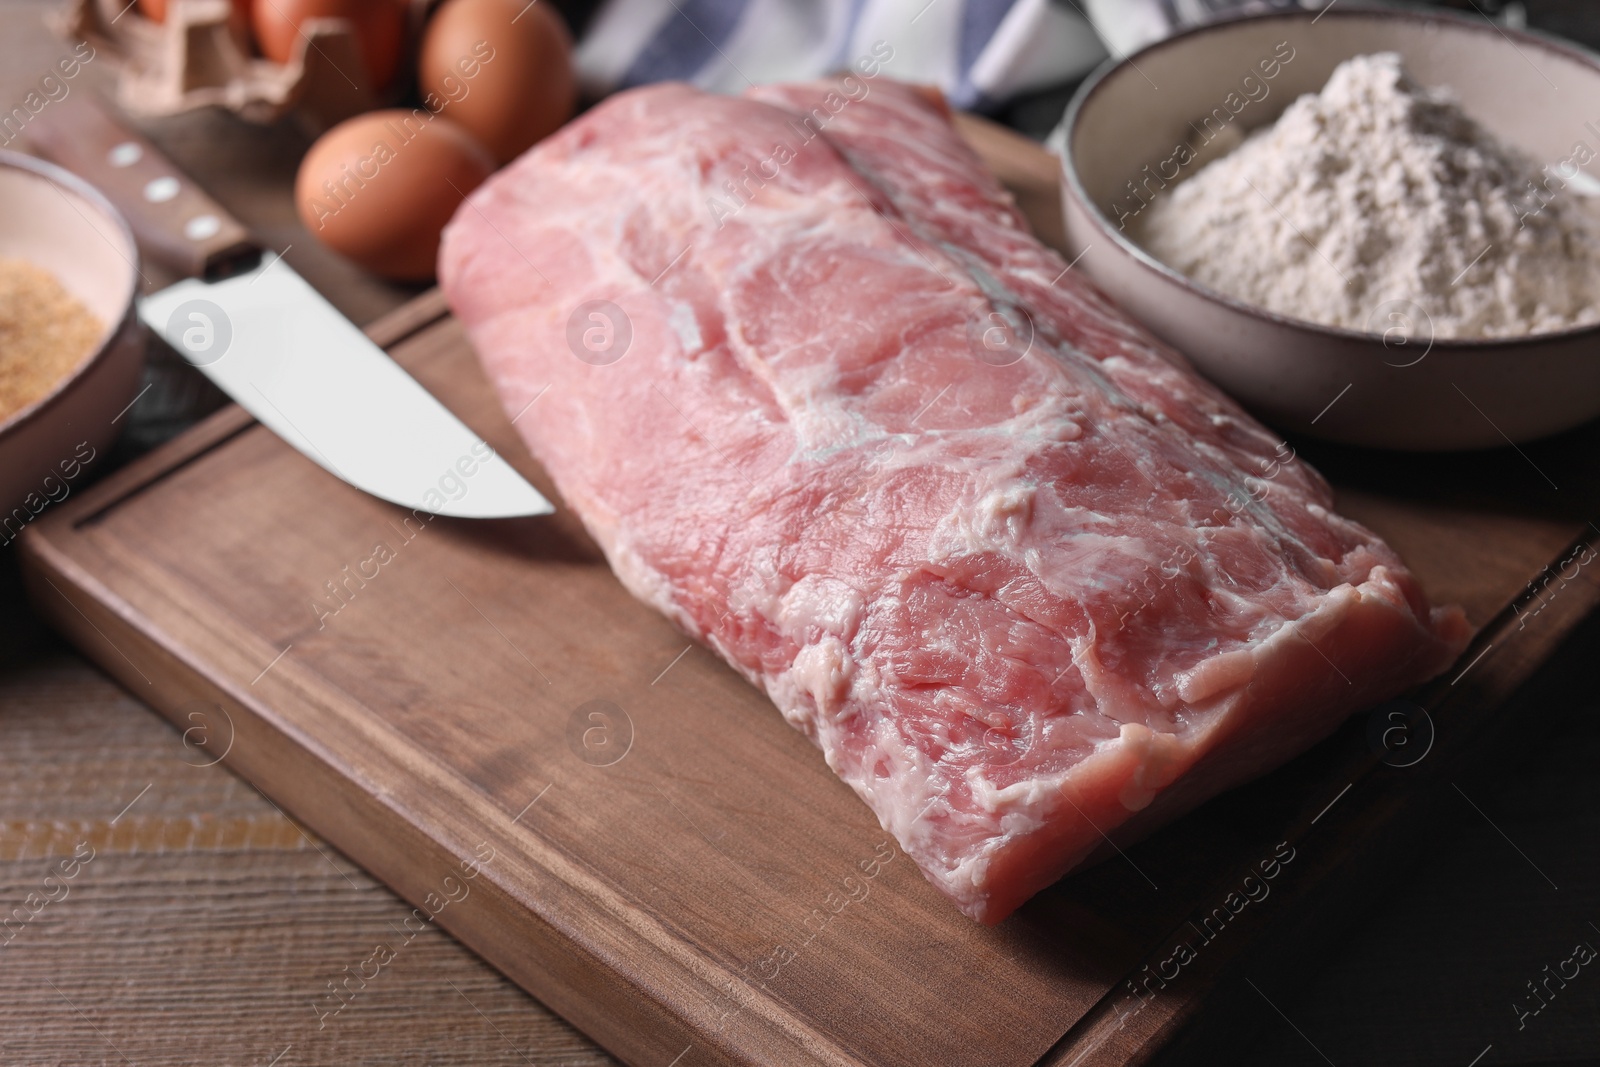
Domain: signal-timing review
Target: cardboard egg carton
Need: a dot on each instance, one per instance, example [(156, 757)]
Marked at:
[(194, 59)]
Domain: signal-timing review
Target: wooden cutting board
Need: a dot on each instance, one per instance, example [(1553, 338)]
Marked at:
[(482, 717)]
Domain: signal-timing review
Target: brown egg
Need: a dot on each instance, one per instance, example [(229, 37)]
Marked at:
[(379, 188), (380, 28), (501, 68)]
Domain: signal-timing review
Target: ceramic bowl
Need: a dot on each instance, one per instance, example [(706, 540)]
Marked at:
[(1391, 388), (57, 221)]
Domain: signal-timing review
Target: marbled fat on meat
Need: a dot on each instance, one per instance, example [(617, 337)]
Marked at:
[(1021, 595)]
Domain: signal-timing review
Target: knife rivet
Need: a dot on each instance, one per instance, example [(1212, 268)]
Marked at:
[(201, 227), (125, 154), (160, 190)]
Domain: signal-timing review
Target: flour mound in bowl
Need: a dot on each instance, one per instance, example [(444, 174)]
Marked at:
[(1375, 191)]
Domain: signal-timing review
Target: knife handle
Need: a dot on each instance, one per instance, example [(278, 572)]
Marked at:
[(175, 222)]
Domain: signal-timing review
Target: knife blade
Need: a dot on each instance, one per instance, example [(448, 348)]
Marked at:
[(269, 340)]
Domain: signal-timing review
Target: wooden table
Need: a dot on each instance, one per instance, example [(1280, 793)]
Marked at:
[(208, 923)]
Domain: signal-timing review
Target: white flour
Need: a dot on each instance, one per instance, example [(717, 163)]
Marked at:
[(1376, 190)]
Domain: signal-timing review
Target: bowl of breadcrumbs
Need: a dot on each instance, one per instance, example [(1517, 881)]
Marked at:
[(71, 347)]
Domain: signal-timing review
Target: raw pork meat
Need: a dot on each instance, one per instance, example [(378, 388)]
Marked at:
[(1024, 578)]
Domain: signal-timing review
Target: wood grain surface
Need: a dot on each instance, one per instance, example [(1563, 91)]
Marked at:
[(204, 929), (197, 896), (195, 935)]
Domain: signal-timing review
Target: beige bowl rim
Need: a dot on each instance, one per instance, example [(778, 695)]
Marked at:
[(113, 330), (1084, 98)]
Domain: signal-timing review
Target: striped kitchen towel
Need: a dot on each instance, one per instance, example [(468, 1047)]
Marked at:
[(980, 52)]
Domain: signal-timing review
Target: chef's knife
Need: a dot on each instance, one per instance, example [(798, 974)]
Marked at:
[(273, 344)]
